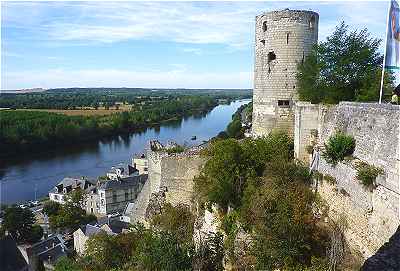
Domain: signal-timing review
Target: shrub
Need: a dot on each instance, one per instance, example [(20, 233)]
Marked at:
[(175, 149), (338, 147), (367, 174)]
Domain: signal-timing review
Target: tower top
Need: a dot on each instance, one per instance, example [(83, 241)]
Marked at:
[(288, 13)]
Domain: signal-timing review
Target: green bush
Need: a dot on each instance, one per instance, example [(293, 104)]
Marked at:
[(367, 174), (176, 149), (338, 147)]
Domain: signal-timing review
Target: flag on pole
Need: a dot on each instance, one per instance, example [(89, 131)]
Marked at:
[(391, 57)]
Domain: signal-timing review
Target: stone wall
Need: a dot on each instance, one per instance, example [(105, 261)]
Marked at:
[(282, 40), (178, 172), (373, 216), (170, 174)]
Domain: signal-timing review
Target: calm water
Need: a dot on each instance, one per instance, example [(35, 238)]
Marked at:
[(20, 179)]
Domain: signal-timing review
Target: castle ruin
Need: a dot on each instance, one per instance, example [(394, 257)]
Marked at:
[(283, 39)]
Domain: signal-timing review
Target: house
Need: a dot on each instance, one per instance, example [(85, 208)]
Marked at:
[(116, 194), (67, 185), (118, 172), (111, 227), (81, 236), (11, 258), (140, 163), (45, 253)]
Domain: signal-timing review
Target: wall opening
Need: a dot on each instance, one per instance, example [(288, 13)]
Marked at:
[(271, 56), (264, 26), (312, 22), (302, 59), (287, 38), (283, 103)]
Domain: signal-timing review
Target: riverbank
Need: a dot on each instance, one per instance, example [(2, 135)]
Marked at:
[(41, 171), (33, 131)]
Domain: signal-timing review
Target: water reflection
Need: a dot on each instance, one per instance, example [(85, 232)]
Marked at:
[(19, 177)]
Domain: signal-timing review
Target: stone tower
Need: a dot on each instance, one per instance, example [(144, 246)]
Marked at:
[(283, 39)]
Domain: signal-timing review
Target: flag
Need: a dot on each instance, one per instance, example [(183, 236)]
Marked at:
[(392, 50), (392, 59)]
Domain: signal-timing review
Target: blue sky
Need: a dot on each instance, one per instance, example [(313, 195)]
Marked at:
[(149, 44)]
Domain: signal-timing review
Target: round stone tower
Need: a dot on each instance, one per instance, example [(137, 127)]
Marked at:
[(283, 39)]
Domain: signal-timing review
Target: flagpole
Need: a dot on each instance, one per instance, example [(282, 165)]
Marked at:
[(384, 54)]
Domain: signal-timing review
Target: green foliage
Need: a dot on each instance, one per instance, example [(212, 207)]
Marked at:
[(177, 221), (66, 264), (162, 251), (346, 67), (19, 223), (210, 254), (36, 234), (23, 131), (102, 252), (51, 208), (367, 174), (70, 215), (338, 147), (231, 164), (175, 149), (235, 129), (278, 211)]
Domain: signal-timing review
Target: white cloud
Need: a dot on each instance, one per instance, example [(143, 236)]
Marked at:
[(174, 78), (225, 23)]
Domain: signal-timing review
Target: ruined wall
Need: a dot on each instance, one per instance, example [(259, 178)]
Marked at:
[(170, 176), (282, 40), (178, 172), (373, 216)]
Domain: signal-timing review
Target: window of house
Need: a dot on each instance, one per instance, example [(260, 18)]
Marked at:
[(283, 103)]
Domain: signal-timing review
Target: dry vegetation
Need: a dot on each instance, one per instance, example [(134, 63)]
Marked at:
[(86, 111)]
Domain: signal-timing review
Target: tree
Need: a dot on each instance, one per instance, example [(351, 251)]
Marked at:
[(19, 223), (71, 215), (66, 264), (51, 207), (36, 234), (232, 163), (175, 220), (346, 67), (102, 251), (278, 210)]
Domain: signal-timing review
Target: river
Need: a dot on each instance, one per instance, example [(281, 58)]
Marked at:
[(28, 177)]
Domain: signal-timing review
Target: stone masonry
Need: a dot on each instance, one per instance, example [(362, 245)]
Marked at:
[(282, 40), (372, 216)]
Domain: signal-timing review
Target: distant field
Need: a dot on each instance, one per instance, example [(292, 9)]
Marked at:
[(101, 111)]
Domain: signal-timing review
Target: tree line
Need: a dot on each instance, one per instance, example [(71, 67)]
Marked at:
[(73, 98), (25, 131)]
